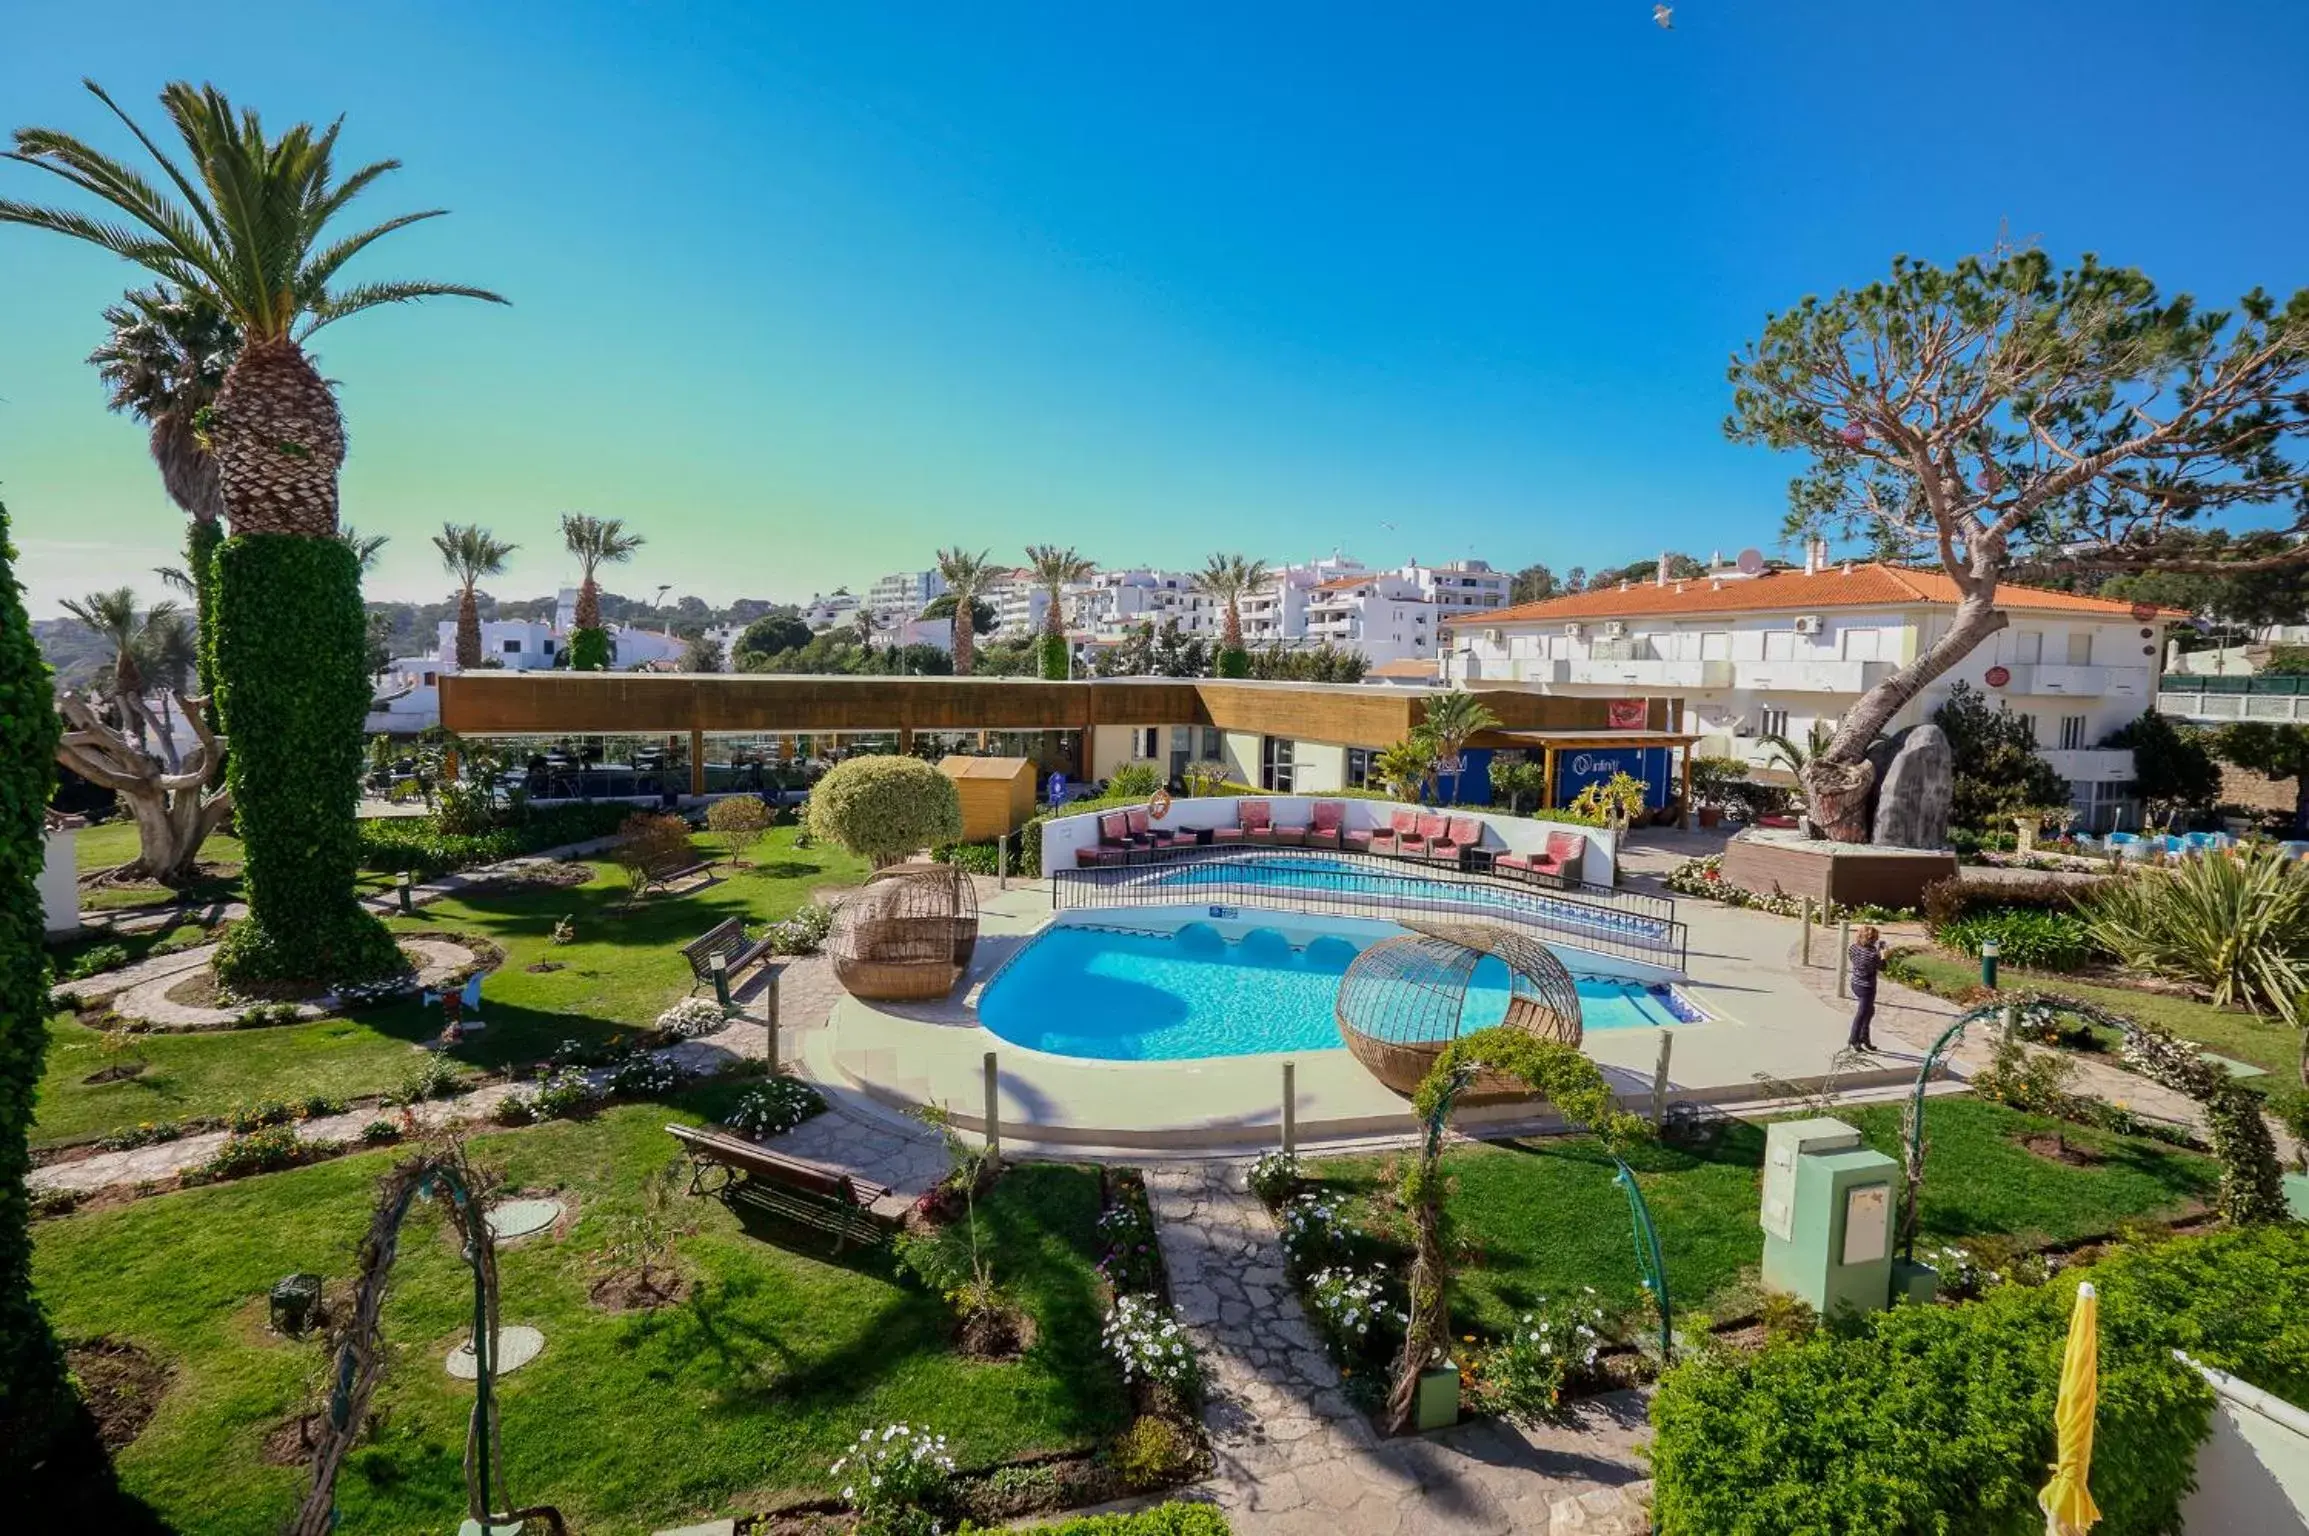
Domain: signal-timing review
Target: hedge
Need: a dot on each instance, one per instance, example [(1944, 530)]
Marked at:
[(416, 843), (293, 688), (1939, 1418), (589, 650), (1951, 901), (34, 1397)]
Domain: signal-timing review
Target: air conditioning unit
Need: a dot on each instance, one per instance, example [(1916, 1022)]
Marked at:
[(1615, 629), (1573, 630), (1493, 637), (1808, 624)]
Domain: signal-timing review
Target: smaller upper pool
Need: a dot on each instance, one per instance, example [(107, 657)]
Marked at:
[(1117, 995)]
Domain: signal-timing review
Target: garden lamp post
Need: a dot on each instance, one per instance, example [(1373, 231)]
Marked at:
[(1989, 951)]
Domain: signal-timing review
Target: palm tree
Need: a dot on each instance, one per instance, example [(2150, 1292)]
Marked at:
[(469, 552), (868, 623), (1229, 578), (1453, 719), (365, 546), (251, 226), (596, 542), (1796, 758), (163, 364), (114, 618), (966, 575), (1055, 570)]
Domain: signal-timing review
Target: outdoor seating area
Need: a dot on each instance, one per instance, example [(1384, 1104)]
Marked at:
[(739, 1173), (908, 935), (727, 942)]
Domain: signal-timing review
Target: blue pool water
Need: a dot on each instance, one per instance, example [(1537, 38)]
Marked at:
[(1288, 872), (1078, 990)]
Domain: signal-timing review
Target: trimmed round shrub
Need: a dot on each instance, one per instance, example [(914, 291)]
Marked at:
[(293, 689), (589, 650), (1050, 657), (1234, 662), (884, 808)]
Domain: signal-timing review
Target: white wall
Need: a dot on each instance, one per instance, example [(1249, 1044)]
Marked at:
[(1241, 751), (1063, 835), (1318, 766), (60, 884), (2252, 1467)]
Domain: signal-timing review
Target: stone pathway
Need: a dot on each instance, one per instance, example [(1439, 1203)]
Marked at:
[(147, 1000), (1294, 1456)]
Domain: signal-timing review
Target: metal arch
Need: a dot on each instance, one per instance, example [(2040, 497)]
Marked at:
[(1648, 1259), (1933, 1057)]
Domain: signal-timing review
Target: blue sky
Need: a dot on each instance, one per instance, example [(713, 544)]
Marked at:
[(804, 292)]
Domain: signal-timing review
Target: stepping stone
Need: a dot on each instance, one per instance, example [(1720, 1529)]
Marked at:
[(512, 1219), (516, 1347), (2234, 1067)]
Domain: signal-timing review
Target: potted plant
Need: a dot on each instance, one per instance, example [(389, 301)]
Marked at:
[(1712, 781)]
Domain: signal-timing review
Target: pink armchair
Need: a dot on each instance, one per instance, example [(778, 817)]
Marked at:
[(1460, 833), (1389, 839), (1258, 819), (1565, 853), (1327, 827)]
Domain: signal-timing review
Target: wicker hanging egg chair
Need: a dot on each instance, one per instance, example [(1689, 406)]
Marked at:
[(907, 936), (1405, 999)]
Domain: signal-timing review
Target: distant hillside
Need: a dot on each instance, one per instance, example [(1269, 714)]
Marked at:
[(71, 650)]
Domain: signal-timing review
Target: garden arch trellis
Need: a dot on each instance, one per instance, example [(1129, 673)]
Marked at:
[(361, 1347), (2251, 1183)]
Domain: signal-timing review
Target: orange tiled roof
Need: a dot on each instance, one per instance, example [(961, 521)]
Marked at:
[(1870, 585), (1342, 583)]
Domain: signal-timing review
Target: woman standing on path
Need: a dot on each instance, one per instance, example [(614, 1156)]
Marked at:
[(1867, 958)]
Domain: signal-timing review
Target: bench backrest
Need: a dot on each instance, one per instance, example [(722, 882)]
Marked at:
[(1253, 814), (759, 1163), (1466, 831), (1114, 827), (1405, 820), (1329, 815), (726, 937), (1139, 826), (1431, 825), (1565, 846)]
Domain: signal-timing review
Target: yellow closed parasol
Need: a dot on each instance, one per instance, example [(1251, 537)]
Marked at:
[(2066, 1501)]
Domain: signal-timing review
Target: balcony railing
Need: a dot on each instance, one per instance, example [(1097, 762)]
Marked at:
[(2191, 704), (2090, 765), (1648, 672), (1810, 676)]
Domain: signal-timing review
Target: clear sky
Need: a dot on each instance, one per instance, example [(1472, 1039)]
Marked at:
[(802, 292)]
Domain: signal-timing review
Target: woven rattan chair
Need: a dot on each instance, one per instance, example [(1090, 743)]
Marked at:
[(1403, 1000), (908, 935)]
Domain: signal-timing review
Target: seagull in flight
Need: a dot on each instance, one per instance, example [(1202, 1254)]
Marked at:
[(1665, 15)]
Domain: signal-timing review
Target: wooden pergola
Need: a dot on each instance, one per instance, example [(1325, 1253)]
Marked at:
[(1552, 742)]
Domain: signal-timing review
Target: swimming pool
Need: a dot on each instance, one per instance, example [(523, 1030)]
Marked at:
[(1310, 872), (1124, 995)]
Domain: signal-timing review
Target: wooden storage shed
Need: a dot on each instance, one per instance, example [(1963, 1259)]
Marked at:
[(997, 794)]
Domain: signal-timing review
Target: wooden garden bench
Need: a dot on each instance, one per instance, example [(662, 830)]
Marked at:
[(740, 1173), (726, 938)]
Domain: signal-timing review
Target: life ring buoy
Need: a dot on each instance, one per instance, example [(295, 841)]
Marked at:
[(1160, 805)]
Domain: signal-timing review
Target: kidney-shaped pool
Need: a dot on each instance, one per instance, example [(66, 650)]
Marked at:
[(1112, 994)]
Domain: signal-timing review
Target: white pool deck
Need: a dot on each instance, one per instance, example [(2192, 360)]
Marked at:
[(1767, 1033)]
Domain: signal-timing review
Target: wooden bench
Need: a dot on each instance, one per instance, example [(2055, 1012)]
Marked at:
[(738, 1172), (726, 938)]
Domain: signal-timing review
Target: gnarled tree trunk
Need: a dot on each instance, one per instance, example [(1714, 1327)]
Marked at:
[(174, 810), (1837, 782)]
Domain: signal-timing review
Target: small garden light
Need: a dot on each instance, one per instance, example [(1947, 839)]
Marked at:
[(408, 894), (1989, 950), (720, 966)]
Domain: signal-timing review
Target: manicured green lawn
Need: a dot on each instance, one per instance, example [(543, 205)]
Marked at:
[(2242, 1036), (745, 1391), (1545, 1217), (624, 968), (113, 843)]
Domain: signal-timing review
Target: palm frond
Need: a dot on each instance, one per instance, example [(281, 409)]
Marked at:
[(321, 268)]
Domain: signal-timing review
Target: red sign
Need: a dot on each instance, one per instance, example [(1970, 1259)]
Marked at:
[(2143, 612), (1625, 714), (1997, 677)]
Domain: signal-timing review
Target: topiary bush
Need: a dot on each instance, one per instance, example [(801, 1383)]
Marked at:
[(417, 843), (589, 650), (739, 821), (293, 689), (884, 808), (1234, 662), (34, 1394), (1051, 657)]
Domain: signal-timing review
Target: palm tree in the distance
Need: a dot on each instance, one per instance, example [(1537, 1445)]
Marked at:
[(163, 363), (1055, 570), (366, 547), (469, 552), (254, 223), (115, 618), (1229, 579), (966, 576), (595, 542)]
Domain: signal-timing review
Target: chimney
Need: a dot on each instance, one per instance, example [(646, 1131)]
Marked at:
[(1623, 583), (1660, 574), (1679, 589)]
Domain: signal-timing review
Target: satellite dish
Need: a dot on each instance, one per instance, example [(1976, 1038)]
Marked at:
[(1751, 562)]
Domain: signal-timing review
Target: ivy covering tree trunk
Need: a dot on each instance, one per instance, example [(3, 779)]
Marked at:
[(1052, 649), (201, 537), (588, 649), (289, 632), (34, 1395)]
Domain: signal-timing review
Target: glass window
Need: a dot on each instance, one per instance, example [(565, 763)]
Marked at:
[(1771, 722), (2072, 733), (1359, 767), (1716, 645), (2027, 645), (2080, 647), (1779, 645), (512, 647), (1276, 770)]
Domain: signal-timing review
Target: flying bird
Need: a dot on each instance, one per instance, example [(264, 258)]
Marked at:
[(1665, 15)]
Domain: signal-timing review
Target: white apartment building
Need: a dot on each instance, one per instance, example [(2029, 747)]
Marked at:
[(1276, 613), (1744, 657), (1395, 615), (835, 612), (1019, 603), (518, 645), (1113, 604), (904, 594)]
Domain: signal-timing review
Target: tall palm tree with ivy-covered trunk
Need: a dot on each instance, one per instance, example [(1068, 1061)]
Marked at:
[(595, 542), (966, 576), (1055, 570), (1453, 720), (253, 223), (470, 552), (1229, 579)]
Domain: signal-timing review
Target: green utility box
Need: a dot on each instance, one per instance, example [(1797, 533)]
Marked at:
[(1829, 1205)]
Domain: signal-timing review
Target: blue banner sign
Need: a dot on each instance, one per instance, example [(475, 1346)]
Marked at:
[(1576, 770)]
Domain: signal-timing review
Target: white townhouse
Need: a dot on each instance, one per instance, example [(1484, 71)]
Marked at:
[(836, 612), (904, 594), (1742, 657)]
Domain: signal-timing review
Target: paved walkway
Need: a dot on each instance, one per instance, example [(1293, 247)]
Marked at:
[(1294, 1456)]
